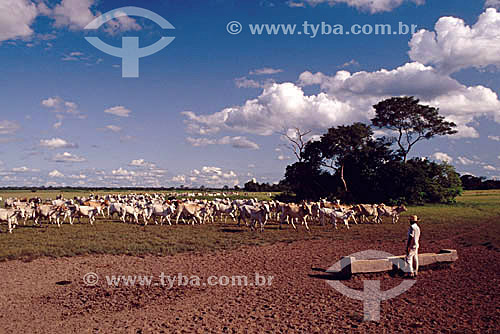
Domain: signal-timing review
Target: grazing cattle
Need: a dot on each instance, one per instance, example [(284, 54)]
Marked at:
[(130, 211), (10, 217), (86, 211), (296, 212), (225, 210), (254, 214), (98, 205), (333, 216), (9, 202), (162, 211), (115, 208), (390, 211), (366, 211), (49, 212), (190, 210), (26, 210)]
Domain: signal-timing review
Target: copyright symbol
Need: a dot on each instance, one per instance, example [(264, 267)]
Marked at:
[(234, 27), (90, 279)]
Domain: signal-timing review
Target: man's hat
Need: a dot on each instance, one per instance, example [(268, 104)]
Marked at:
[(414, 219)]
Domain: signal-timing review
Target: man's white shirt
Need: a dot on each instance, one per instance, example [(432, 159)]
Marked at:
[(414, 234)]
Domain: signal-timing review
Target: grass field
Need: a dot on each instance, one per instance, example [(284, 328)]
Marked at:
[(475, 218)]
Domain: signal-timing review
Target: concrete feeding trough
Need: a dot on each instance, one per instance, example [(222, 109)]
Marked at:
[(349, 265)]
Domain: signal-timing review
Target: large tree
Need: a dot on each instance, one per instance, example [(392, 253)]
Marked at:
[(411, 121), (348, 143)]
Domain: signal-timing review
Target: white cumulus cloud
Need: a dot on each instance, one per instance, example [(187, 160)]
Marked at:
[(120, 111), (440, 156), (348, 97), (55, 173), (465, 161), (114, 128), (265, 71), (372, 6), (236, 142), (16, 17), (454, 45), (55, 143), (67, 157), (8, 127)]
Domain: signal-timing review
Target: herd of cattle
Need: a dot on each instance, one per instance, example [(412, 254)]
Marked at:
[(146, 208)]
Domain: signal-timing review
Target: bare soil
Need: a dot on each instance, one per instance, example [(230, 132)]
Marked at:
[(49, 295)]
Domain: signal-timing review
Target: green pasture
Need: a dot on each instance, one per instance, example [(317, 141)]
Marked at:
[(474, 221)]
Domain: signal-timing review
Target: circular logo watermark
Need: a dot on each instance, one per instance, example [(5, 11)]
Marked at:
[(371, 295), (234, 27), (91, 279)]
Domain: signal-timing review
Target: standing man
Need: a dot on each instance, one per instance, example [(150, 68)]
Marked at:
[(412, 245)]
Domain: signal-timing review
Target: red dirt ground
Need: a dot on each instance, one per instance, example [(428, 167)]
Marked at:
[(462, 298)]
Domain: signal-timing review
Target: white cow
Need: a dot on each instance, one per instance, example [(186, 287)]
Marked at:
[(190, 210), (333, 216), (162, 211), (257, 213), (225, 210), (86, 211), (10, 217), (390, 211), (49, 212)]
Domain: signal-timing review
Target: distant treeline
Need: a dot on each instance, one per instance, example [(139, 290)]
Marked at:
[(470, 182)]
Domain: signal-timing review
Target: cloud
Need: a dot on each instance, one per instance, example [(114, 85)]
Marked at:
[(67, 157), (55, 143), (244, 82), (209, 176), (348, 97), (62, 109), (75, 14), (351, 62), (440, 156), (179, 178), (239, 142), (294, 4), (492, 4), (211, 170), (78, 176), (459, 103), (495, 138), (372, 6), (75, 56), (25, 169), (120, 111), (236, 142), (465, 161), (265, 71), (282, 157), (279, 106), (59, 106), (200, 142), (121, 24), (56, 174), (490, 168), (16, 17), (8, 127), (122, 172), (141, 163), (454, 45), (114, 128)]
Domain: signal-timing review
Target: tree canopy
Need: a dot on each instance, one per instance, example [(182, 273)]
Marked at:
[(350, 164), (410, 121)]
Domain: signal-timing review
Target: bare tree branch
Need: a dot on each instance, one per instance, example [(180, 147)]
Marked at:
[(297, 143)]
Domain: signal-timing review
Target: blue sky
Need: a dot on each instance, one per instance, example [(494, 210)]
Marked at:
[(208, 109)]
